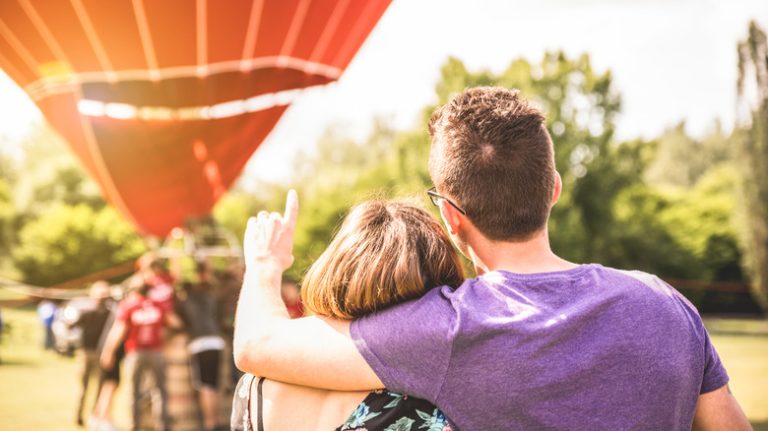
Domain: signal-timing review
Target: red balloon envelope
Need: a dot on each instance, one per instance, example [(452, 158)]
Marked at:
[(164, 101)]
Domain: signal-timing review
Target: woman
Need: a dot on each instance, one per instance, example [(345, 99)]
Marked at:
[(385, 253)]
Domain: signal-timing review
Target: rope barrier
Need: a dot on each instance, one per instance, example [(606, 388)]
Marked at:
[(29, 290)]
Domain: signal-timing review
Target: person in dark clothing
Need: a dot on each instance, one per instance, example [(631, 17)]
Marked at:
[(46, 312), (92, 322), (198, 312), (227, 291)]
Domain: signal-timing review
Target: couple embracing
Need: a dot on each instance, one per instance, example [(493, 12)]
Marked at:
[(398, 339)]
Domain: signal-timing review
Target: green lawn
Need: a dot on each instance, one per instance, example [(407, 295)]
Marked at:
[(743, 348), (38, 389)]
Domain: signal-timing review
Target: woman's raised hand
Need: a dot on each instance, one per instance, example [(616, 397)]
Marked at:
[(269, 236)]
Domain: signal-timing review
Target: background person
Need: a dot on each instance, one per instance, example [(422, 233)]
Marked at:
[(291, 294), (92, 323), (109, 378), (385, 253), (198, 312), (140, 322), (228, 285), (46, 312), (162, 282)]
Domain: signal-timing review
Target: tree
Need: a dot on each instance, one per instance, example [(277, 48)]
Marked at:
[(67, 242), (643, 240), (753, 160), (7, 214), (7, 210), (681, 160), (700, 220)]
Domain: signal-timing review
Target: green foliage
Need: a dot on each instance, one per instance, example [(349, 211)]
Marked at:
[(51, 175), (7, 215), (753, 161), (71, 241), (643, 241), (681, 160), (687, 234), (700, 220), (234, 209)]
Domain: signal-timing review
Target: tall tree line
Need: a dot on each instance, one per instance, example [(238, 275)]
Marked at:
[(666, 205)]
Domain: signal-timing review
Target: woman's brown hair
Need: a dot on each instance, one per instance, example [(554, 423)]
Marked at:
[(385, 252)]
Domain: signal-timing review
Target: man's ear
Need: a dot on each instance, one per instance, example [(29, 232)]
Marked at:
[(558, 189), (451, 217)]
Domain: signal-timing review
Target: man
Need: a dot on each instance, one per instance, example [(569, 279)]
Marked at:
[(140, 323), (91, 321), (534, 342), (46, 312), (198, 311), (161, 281)]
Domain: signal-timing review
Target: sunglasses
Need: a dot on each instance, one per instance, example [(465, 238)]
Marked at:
[(435, 198)]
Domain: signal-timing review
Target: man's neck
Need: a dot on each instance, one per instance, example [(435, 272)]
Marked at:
[(525, 257)]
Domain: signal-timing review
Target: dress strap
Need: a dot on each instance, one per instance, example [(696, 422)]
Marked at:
[(259, 412)]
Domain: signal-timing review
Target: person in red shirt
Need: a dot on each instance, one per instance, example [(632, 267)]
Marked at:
[(291, 295), (161, 281), (140, 322)]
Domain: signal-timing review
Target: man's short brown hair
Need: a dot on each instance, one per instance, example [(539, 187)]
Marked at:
[(491, 152)]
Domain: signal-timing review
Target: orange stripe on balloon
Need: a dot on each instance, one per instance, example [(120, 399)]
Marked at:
[(329, 31), (295, 28), (45, 32), (20, 49), (252, 35), (202, 37), (93, 39), (146, 38)]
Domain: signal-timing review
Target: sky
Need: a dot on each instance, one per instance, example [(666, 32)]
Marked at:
[(672, 61)]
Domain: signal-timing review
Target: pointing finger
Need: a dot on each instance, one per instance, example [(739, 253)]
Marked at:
[(291, 210)]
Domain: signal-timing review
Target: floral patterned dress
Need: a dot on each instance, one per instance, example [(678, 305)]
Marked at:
[(381, 410)]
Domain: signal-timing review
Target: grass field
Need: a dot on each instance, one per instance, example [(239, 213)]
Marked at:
[(38, 390)]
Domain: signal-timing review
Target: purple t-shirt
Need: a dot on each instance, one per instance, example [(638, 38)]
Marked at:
[(584, 349)]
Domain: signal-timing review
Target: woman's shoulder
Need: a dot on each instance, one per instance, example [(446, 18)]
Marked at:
[(292, 407)]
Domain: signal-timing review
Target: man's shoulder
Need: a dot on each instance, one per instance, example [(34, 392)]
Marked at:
[(437, 297), (651, 290), (650, 282)]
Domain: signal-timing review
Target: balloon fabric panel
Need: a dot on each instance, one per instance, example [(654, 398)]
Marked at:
[(164, 102)]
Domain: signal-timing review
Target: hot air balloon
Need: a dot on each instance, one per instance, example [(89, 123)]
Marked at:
[(164, 101)]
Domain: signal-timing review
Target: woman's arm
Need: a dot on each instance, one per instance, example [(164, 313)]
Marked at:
[(309, 351)]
